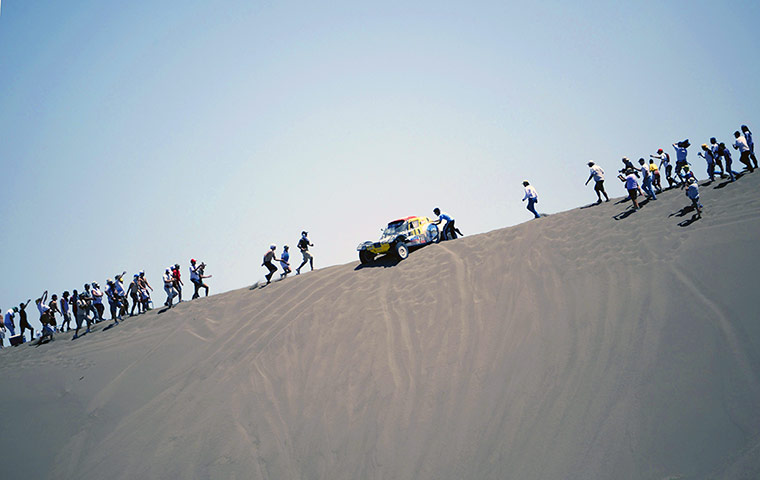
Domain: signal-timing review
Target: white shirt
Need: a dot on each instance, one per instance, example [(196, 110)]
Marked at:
[(530, 192), (168, 279), (598, 173), (741, 144), (194, 273), (644, 169)]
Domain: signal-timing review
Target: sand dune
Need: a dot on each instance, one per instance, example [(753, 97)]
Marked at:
[(576, 346)]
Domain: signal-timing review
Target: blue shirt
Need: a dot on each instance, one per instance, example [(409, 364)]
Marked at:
[(444, 216), (285, 256), (680, 153)]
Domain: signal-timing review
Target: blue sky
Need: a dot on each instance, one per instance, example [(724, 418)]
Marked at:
[(134, 135)]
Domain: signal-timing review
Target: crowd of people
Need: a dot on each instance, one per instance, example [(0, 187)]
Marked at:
[(646, 179), (87, 307)]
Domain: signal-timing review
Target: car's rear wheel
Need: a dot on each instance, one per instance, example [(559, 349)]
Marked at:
[(402, 251), (366, 257)]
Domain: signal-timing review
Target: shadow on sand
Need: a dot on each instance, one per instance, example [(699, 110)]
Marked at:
[(688, 222), (384, 261)]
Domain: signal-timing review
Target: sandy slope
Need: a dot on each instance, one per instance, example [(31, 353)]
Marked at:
[(576, 346)]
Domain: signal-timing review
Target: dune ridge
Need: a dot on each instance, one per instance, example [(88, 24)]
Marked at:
[(576, 346)]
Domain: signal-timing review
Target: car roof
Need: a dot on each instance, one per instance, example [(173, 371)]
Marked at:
[(402, 219)]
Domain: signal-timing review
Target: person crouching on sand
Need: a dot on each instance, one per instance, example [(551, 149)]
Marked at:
[(268, 258)]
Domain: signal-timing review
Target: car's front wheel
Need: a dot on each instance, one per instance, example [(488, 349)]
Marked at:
[(366, 257), (402, 251)]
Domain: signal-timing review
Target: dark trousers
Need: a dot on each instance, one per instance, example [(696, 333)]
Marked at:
[(271, 268), (532, 207)]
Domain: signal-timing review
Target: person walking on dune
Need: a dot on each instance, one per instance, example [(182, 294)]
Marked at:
[(646, 179), (23, 323), (531, 195), (82, 312), (681, 153), (655, 172), (268, 258), (665, 166), (178, 284), (632, 186), (65, 304), (741, 145), (133, 291), (598, 175), (285, 262), (197, 276), (714, 149), (169, 287), (114, 301), (692, 191), (145, 290), (707, 154), (725, 154), (750, 143), (303, 245)]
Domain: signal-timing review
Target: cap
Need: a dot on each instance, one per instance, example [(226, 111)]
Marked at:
[(659, 150), (704, 145), (590, 164), (192, 260), (304, 232), (272, 246), (137, 275)]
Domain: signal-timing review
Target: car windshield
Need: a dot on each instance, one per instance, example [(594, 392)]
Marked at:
[(394, 228)]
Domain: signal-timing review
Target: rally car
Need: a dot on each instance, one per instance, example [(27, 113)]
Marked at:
[(398, 237)]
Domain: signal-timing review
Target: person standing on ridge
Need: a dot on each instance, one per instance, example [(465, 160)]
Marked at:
[(97, 301), (134, 293), (707, 154), (681, 152), (8, 321), (303, 246), (284, 262), (664, 159), (646, 181), (113, 300), (145, 290), (741, 145), (65, 304), (82, 312), (598, 175), (23, 323), (750, 143), (268, 258), (531, 195)]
